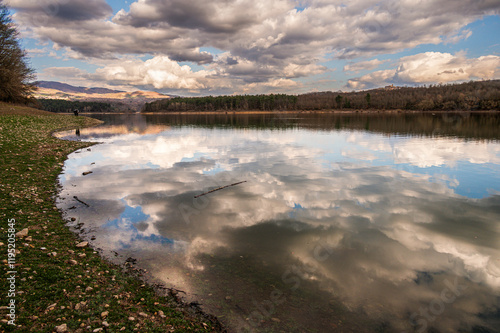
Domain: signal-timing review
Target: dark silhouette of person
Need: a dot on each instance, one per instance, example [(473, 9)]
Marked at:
[(76, 112)]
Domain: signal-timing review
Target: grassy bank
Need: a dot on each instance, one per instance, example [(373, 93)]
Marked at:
[(60, 286)]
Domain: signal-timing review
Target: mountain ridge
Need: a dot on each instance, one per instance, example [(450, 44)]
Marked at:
[(122, 100), (74, 89)]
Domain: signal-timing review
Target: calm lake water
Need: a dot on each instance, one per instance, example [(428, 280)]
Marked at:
[(352, 223)]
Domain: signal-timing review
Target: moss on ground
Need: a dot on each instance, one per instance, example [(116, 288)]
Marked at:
[(59, 285)]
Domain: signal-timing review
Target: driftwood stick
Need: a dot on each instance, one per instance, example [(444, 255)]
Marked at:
[(76, 198), (218, 189)]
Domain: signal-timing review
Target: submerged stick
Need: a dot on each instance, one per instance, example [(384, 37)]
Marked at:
[(76, 198), (218, 189)]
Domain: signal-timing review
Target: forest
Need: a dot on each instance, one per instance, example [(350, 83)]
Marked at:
[(469, 96), (59, 105)]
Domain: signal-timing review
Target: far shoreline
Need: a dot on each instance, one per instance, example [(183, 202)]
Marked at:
[(260, 112)]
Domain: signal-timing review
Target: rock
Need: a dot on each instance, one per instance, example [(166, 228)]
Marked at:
[(29, 239), (62, 328), (82, 255), (104, 314), (142, 314), (105, 324), (80, 305), (71, 252), (2, 244), (82, 244), (131, 318), (162, 314), (73, 262), (22, 233), (98, 330)]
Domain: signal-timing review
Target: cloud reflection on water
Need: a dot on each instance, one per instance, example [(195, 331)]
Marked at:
[(394, 237)]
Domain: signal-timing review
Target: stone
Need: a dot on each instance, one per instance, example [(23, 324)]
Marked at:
[(104, 314), (105, 324), (29, 239), (80, 305), (62, 328), (131, 318), (162, 314), (100, 329), (22, 233), (142, 314), (73, 262), (82, 244)]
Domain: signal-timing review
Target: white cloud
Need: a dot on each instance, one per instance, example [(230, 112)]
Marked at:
[(363, 65), (433, 67), (159, 72)]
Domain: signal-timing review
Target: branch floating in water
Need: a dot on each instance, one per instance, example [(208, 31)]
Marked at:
[(218, 189), (76, 198)]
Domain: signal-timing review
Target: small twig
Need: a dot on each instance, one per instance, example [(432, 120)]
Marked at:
[(218, 189), (76, 198)]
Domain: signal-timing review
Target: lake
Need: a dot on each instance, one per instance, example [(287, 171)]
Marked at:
[(318, 222)]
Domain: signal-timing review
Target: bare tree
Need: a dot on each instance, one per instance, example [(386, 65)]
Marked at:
[(15, 73)]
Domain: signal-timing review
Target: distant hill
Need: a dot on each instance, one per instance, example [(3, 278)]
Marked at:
[(72, 89), (121, 100)]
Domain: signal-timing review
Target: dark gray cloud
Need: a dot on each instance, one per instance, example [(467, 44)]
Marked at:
[(62, 10)]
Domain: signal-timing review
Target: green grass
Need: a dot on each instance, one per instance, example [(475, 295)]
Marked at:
[(30, 162)]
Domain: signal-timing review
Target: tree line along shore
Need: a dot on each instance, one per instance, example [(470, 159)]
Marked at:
[(470, 96)]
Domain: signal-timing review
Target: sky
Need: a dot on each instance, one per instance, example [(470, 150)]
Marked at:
[(224, 47)]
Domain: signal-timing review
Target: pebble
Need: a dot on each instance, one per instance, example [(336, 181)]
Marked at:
[(98, 330), (22, 233), (104, 314), (131, 318), (142, 314), (62, 328), (82, 244), (51, 307), (105, 324), (80, 305), (73, 262), (71, 252)]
